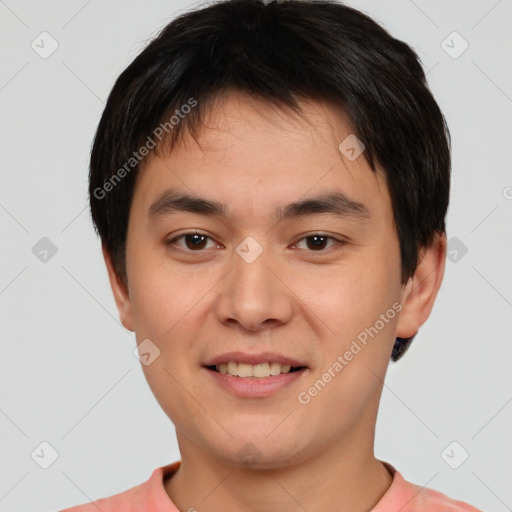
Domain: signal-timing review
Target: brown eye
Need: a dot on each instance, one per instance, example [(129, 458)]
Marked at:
[(194, 242), (318, 242)]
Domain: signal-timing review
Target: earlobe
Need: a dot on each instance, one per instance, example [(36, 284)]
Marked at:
[(420, 292), (120, 291)]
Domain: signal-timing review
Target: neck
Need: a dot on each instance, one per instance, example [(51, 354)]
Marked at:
[(345, 478)]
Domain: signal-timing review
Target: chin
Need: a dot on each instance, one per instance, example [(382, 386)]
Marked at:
[(257, 450)]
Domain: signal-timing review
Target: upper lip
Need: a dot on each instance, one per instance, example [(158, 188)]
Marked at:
[(261, 357)]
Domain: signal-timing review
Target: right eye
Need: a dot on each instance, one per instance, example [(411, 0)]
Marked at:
[(193, 242)]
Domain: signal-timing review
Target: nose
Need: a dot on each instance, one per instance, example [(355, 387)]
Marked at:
[(253, 296)]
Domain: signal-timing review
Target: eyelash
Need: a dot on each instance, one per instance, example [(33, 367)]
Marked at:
[(173, 241)]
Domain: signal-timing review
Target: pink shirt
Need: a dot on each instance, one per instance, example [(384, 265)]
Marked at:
[(150, 496)]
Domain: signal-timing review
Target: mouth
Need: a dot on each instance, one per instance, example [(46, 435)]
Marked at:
[(254, 371), (247, 375)]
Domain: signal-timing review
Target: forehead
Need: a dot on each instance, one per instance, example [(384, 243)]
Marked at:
[(248, 154)]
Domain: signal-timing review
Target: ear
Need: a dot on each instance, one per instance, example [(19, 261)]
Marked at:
[(120, 291), (421, 290)]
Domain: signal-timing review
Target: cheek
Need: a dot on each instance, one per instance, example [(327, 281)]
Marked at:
[(350, 296), (358, 307), (163, 297), (166, 308), (154, 307), (360, 310)]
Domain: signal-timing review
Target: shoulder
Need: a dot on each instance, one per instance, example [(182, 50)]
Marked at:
[(145, 496), (408, 497), (430, 499), (129, 501)]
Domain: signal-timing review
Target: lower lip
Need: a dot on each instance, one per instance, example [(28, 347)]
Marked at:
[(251, 387)]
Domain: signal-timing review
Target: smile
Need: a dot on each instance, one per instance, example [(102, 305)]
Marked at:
[(260, 380), (258, 371)]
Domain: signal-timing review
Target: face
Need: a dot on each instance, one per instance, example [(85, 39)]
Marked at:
[(252, 286)]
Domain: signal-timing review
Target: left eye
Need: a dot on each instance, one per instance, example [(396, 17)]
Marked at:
[(196, 242), (317, 242)]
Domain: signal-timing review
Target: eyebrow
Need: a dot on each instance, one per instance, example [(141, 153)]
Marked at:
[(336, 203)]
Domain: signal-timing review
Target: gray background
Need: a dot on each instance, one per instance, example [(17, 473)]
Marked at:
[(67, 372)]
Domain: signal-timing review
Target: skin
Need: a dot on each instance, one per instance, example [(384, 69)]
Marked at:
[(305, 303)]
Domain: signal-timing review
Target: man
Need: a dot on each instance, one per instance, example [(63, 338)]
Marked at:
[(270, 182)]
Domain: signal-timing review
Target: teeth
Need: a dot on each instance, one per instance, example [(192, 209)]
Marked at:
[(252, 370), (244, 370), (261, 370), (275, 368)]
